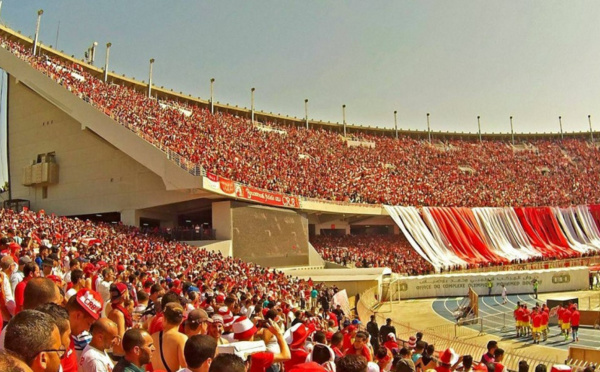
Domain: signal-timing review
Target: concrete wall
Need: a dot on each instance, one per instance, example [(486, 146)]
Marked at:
[(222, 220), (104, 167), (314, 258), (94, 176)]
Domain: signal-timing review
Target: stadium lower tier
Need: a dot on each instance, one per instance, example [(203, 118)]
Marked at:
[(496, 236)]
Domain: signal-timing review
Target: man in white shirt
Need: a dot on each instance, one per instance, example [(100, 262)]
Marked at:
[(7, 264), (103, 287), (73, 265), (18, 276), (78, 280), (94, 357)]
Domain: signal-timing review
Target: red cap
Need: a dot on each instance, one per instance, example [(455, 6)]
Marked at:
[(117, 290), (90, 301), (89, 268), (55, 279), (311, 366)]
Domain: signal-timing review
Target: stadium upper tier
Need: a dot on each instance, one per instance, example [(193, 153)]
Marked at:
[(320, 163)]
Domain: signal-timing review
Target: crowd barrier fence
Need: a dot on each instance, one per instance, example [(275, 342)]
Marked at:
[(448, 336)]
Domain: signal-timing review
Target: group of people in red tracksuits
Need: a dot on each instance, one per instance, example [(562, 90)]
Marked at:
[(568, 319), (534, 322)]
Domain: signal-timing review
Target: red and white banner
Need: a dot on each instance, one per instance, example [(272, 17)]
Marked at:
[(227, 186), (230, 187), (267, 197), (213, 181)]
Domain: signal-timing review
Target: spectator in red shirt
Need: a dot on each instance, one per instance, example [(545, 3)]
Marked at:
[(536, 322), (359, 347), (296, 337), (498, 358), (337, 340), (391, 344), (575, 323), (526, 320), (545, 318), (566, 322), (559, 312), (518, 314), (30, 270)]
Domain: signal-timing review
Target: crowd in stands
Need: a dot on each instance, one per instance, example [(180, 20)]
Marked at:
[(80, 296), (391, 251), (320, 164), (395, 252)]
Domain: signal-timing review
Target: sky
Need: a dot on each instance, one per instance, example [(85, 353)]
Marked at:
[(454, 59)]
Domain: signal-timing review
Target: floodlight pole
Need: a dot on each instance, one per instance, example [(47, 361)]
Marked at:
[(396, 123), (560, 124), (252, 103), (428, 128), (344, 118), (212, 101), (479, 127), (37, 30), (591, 132), (306, 112), (512, 132), (108, 45), (93, 53), (150, 78)]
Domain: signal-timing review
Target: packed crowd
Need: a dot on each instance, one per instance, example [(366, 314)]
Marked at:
[(395, 252), (78, 296), (320, 164), (392, 251)]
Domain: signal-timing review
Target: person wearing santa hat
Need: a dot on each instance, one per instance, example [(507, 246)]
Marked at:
[(296, 338), (448, 361), (244, 330), (391, 342), (215, 329)]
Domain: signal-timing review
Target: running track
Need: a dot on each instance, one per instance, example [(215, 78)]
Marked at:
[(493, 305)]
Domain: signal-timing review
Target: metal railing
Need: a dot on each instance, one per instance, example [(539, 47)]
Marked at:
[(590, 302), (449, 336)]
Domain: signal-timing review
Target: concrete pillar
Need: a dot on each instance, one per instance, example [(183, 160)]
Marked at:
[(222, 220), (130, 217)]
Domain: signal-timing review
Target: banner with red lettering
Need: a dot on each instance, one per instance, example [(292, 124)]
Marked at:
[(267, 197), (227, 186), (213, 181)]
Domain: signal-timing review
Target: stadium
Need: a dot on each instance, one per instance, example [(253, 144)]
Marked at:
[(441, 232)]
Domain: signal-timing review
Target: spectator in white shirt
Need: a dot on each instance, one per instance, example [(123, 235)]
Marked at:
[(103, 287), (78, 280), (73, 264), (18, 276), (7, 264), (94, 357)]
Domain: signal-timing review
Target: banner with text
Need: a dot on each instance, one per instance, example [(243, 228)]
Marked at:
[(267, 197), (229, 187), (516, 282)]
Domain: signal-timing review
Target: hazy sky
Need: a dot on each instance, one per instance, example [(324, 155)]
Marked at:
[(534, 60)]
